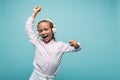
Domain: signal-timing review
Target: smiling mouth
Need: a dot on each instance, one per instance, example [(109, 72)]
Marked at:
[(44, 36)]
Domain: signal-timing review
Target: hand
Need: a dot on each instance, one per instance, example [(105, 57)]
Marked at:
[(37, 9), (74, 44)]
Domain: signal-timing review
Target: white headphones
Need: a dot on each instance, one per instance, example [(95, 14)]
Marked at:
[(54, 30)]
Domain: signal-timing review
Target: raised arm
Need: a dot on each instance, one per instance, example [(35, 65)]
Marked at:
[(29, 25), (35, 11)]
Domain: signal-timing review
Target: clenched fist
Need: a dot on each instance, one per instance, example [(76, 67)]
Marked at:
[(35, 11), (74, 44)]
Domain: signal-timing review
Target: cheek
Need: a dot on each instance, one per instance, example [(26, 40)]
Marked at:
[(50, 32), (39, 33)]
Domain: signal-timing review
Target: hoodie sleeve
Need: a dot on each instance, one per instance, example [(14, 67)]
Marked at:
[(67, 48), (32, 37)]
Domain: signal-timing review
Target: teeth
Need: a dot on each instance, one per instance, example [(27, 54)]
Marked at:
[(44, 36)]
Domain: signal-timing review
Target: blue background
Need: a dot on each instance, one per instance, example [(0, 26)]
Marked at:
[(94, 23)]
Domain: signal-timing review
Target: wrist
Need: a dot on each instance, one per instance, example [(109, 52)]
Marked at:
[(77, 45), (34, 13)]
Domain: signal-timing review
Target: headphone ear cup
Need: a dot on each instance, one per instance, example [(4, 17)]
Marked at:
[(54, 30)]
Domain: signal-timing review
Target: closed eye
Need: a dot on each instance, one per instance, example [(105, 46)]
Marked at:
[(46, 29), (40, 31)]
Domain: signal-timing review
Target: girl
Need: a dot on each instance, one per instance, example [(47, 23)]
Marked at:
[(48, 52)]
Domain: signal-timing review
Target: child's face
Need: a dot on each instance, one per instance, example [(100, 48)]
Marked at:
[(45, 31)]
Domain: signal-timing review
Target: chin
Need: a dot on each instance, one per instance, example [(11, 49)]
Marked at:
[(46, 41)]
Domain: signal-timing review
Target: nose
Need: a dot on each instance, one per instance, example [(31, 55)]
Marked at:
[(42, 32)]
